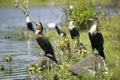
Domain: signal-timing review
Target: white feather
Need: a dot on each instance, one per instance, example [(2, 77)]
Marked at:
[(27, 19), (93, 29), (51, 25), (71, 25), (36, 32)]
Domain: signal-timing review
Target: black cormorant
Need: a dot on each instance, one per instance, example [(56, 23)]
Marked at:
[(96, 38), (73, 30), (41, 39), (60, 32), (44, 42)]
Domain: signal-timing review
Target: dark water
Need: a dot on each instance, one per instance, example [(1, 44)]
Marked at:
[(23, 52)]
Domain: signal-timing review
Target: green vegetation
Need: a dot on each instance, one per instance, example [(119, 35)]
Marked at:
[(110, 30), (33, 69), (9, 3), (81, 12), (18, 33)]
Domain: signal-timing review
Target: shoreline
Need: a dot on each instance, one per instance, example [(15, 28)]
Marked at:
[(41, 3)]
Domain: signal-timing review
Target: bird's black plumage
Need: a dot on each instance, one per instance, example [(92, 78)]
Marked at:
[(73, 30), (41, 39), (44, 43), (96, 39), (29, 24), (74, 33), (97, 43), (60, 32)]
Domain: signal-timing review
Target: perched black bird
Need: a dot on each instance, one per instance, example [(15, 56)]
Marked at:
[(44, 42), (29, 24), (73, 30), (60, 32), (96, 38)]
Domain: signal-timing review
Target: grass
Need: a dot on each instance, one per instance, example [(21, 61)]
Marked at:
[(110, 31)]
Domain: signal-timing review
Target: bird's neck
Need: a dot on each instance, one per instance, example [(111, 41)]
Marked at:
[(71, 26), (93, 30), (58, 30), (38, 32), (28, 19)]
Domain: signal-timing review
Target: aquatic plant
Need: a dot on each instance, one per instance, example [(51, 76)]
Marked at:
[(2, 68), (7, 58), (34, 69)]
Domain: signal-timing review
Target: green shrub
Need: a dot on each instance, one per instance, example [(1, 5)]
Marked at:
[(80, 13)]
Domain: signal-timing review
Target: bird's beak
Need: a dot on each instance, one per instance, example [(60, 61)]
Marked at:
[(35, 23), (38, 25)]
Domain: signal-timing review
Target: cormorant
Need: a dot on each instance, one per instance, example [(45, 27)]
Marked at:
[(74, 33), (96, 38), (73, 30), (41, 39), (44, 42), (54, 25), (60, 32)]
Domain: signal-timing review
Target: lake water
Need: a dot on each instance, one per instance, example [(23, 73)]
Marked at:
[(14, 17), (23, 52)]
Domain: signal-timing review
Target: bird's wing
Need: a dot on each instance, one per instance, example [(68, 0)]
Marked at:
[(30, 26), (91, 41), (45, 44), (101, 39)]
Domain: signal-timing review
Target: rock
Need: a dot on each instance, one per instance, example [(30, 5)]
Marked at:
[(43, 61), (93, 63)]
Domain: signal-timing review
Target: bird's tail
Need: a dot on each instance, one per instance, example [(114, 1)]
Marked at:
[(53, 58), (102, 54)]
